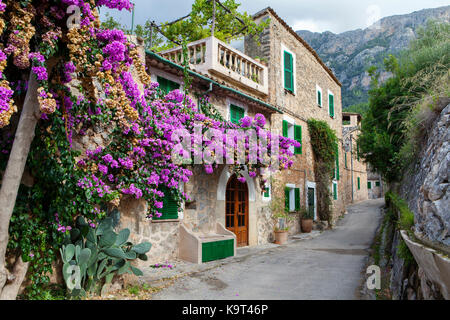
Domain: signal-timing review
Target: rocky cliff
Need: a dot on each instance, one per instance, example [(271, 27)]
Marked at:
[(349, 54)]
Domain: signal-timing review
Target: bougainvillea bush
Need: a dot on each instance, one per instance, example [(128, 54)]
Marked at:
[(85, 81)]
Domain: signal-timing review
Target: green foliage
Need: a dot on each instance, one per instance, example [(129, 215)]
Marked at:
[(323, 142), (360, 108), (227, 27), (400, 207), (99, 254), (404, 253), (394, 123)]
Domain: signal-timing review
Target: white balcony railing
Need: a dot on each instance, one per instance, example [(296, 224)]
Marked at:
[(215, 57)]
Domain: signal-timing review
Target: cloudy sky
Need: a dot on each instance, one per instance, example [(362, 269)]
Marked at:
[(316, 15)]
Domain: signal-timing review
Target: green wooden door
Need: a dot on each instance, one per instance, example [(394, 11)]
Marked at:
[(311, 202)]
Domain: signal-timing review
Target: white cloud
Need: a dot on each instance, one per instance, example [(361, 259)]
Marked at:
[(311, 25)]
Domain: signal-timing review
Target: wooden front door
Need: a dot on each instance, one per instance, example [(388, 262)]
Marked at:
[(236, 213), (311, 202)]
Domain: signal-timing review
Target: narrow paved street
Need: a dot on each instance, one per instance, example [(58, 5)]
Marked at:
[(327, 267)]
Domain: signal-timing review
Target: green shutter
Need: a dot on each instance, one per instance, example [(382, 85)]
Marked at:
[(359, 183), (357, 150), (331, 103), (297, 199), (166, 85), (170, 207), (298, 137), (337, 162), (369, 185), (335, 196), (288, 72), (345, 160), (285, 128), (377, 183), (236, 114), (319, 98), (267, 192), (286, 199)]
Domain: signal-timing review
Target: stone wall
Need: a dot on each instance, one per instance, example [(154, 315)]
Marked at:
[(300, 105), (426, 185)]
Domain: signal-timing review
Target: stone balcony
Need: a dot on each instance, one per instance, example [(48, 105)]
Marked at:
[(214, 57)]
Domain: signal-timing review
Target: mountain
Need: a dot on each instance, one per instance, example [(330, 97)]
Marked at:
[(349, 54)]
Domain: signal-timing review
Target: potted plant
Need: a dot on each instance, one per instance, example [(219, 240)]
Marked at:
[(307, 219), (281, 217)]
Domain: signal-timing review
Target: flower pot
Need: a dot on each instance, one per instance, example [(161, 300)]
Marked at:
[(281, 237), (307, 225)]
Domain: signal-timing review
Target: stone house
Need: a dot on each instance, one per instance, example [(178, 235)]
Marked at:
[(283, 79), (354, 169)]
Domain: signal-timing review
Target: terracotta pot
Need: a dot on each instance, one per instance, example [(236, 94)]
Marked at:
[(281, 237), (307, 225)]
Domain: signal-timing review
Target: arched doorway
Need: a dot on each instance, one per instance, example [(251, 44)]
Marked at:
[(236, 210)]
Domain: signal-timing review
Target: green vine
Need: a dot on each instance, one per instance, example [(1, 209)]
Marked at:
[(323, 142)]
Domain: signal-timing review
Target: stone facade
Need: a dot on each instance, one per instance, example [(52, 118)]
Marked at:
[(207, 192), (354, 169), (300, 105)]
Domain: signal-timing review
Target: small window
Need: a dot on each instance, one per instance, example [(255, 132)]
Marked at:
[(377, 183), (292, 199), (166, 85), (266, 194), (331, 104), (170, 207), (288, 72), (319, 96), (289, 132), (359, 183), (369, 185), (236, 114), (345, 160), (335, 191)]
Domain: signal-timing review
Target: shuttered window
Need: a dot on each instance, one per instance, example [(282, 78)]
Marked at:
[(287, 201), (359, 183), (335, 194), (167, 85), (345, 159), (331, 105), (319, 98), (267, 192), (288, 72), (377, 183), (369, 185), (236, 114), (170, 207), (337, 162), (298, 137), (297, 199)]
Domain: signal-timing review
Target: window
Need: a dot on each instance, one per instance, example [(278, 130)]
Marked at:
[(319, 96), (357, 150), (345, 159), (289, 132), (170, 207), (331, 104), (292, 199), (369, 185), (167, 85), (337, 173), (288, 71), (266, 194), (359, 183), (377, 183), (236, 113), (335, 191)]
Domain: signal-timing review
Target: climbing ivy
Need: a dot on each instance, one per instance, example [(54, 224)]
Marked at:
[(323, 142)]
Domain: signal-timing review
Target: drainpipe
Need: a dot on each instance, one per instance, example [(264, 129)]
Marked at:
[(351, 164)]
